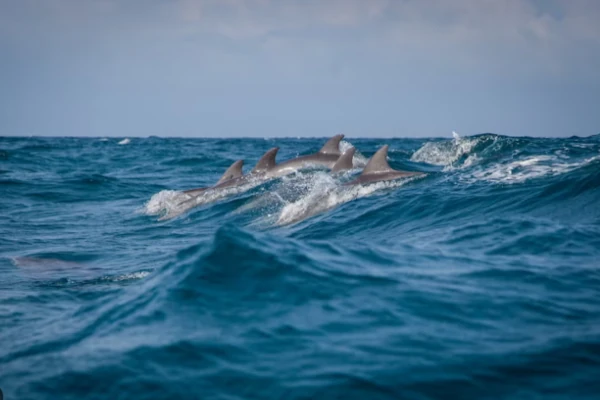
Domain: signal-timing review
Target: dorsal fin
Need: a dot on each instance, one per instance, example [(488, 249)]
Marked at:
[(344, 163), (266, 162), (234, 171), (378, 163), (332, 146)]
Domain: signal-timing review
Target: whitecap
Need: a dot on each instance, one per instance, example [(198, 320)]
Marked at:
[(127, 277), (531, 167), (448, 153)]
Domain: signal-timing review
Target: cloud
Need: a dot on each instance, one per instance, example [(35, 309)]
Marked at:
[(525, 35), (520, 38), (462, 19), (342, 54)]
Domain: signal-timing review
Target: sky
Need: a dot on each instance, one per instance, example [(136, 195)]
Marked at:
[(234, 68)]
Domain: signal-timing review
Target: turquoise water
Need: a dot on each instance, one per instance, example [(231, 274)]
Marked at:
[(480, 280)]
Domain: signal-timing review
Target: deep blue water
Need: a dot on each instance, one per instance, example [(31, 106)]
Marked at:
[(480, 280)]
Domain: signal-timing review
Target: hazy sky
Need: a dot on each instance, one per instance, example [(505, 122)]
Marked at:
[(299, 68)]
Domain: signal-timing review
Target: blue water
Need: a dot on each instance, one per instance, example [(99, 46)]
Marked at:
[(480, 280)]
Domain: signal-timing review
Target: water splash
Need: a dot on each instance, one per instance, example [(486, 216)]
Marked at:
[(359, 160), (171, 203), (449, 154), (325, 193), (163, 201)]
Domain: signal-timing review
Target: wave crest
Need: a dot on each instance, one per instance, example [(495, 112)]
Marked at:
[(459, 152), (502, 159)]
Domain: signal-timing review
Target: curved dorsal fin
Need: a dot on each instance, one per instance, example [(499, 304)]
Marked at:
[(234, 171), (378, 163), (332, 146), (344, 163), (266, 162)]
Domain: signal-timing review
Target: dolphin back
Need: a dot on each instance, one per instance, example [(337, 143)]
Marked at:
[(378, 169), (332, 146), (266, 162), (234, 171), (378, 163), (344, 163)]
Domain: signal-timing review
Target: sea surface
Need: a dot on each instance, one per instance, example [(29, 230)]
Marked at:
[(480, 280)]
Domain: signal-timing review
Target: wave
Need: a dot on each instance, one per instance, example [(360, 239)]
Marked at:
[(258, 266), (502, 159), (92, 180), (531, 167), (189, 161), (13, 182), (463, 152)]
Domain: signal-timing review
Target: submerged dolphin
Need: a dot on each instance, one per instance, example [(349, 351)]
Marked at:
[(326, 157), (378, 170)]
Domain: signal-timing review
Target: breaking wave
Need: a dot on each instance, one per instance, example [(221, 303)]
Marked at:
[(502, 159)]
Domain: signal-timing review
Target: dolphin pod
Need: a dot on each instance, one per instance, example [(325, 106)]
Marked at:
[(329, 156), (267, 168)]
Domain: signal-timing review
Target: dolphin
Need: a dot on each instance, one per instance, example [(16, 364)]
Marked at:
[(267, 167), (226, 180), (378, 170), (326, 157), (234, 176)]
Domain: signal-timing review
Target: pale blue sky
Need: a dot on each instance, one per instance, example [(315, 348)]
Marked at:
[(403, 68)]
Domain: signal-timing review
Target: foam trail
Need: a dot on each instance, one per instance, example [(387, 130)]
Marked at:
[(172, 203), (126, 277), (125, 141)]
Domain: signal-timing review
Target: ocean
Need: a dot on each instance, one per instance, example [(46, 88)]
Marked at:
[(480, 280)]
